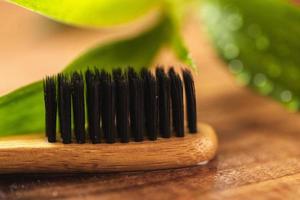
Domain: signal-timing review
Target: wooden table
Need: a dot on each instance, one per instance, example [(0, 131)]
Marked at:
[(258, 158)]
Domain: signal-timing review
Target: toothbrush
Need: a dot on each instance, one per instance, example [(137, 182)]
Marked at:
[(135, 121)]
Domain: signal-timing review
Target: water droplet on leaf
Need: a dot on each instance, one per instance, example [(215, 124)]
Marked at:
[(236, 66), (234, 22), (260, 80), (231, 51), (286, 96)]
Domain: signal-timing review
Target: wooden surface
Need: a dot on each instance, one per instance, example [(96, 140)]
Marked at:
[(259, 154), (32, 154)]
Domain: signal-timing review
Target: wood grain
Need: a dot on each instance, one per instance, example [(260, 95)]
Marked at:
[(258, 158), (32, 154)]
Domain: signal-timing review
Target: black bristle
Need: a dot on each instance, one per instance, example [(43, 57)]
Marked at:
[(78, 107), (136, 105), (117, 74), (65, 108), (190, 95), (177, 103), (164, 103), (151, 104), (172, 74), (58, 102), (108, 107), (93, 106), (50, 108), (122, 106)]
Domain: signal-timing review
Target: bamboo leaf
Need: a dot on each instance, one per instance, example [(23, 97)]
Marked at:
[(91, 13), (176, 10)]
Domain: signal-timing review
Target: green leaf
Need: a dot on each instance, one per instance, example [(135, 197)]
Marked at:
[(176, 10), (92, 13), (181, 51), (260, 41), (22, 111), (138, 51)]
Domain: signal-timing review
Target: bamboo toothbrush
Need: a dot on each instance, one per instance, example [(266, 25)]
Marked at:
[(135, 121)]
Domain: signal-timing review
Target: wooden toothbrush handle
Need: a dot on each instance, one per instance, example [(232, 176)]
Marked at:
[(35, 155)]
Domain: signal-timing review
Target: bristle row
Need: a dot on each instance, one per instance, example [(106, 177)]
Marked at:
[(164, 103), (64, 102), (50, 108), (78, 107), (108, 107), (121, 107), (177, 103), (151, 104), (190, 95), (136, 105), (93, 106)]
